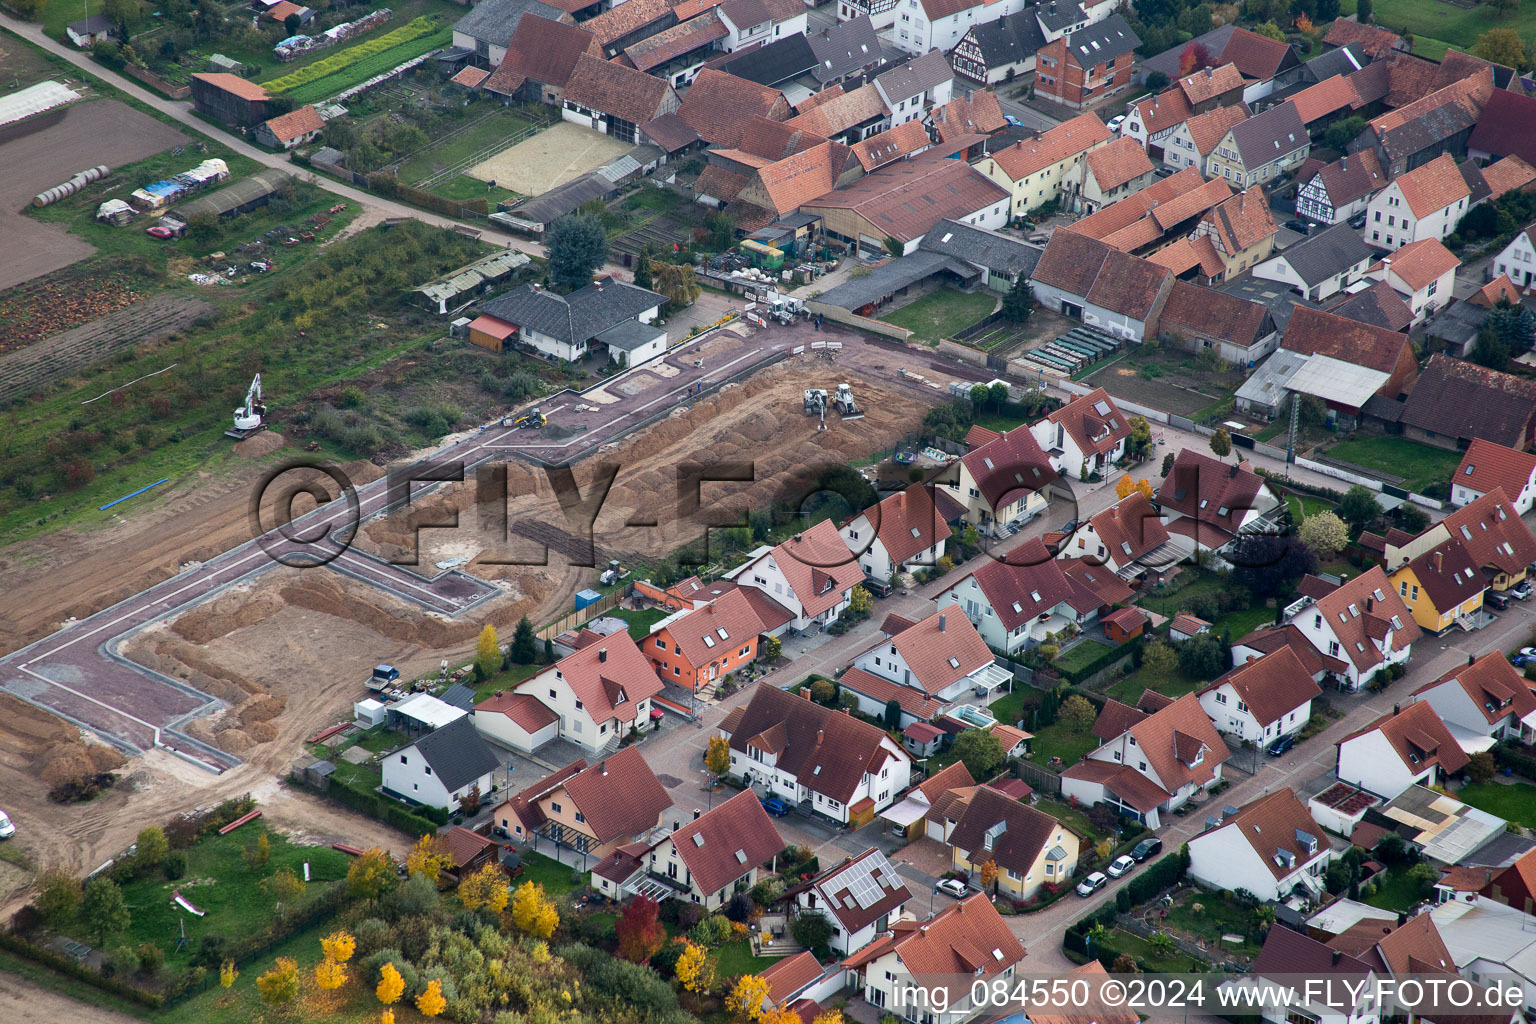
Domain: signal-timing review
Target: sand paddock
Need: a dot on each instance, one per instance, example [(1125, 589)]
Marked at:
[(558, 154)]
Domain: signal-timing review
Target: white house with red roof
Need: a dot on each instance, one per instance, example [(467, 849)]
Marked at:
[(1016, 604), (1408, 746), (1486, 697), (965, 945), (1423, 273), (812, 574), (1128, 534), (713, 857), (601, 692), (860, 897), (943, 656), (1363, 623), (1263, 699), (1272, 847), (905, 531), (1004, 480), (592, 808), (1156, 764), (1210, 501), (1086, 436), (517, 720), (1487, 465), (1426, 202)]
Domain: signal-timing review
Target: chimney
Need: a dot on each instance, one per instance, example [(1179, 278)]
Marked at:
[(602, 769), (1343, 163), (711, 607), (1336, 955), (1386, 261), (1471, 659), (1439, 560), (1370, 604), (821, 734), (676, 824), (697, 813), (598, 284), (942, 619), (1208, 72), (1396, 708), (602, 655), (806, 693)]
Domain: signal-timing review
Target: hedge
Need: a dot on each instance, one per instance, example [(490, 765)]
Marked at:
[(1298, 485), (1155, 879), (420, 821), (1507, 755), (1078, 674), (78, 970), (388, 185)]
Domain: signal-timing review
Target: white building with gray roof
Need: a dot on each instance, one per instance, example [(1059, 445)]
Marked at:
[(606, 313), (1323, 265)]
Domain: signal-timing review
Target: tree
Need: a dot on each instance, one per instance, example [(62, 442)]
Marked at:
[(258, 852), (1019, 303), (1363, 11), (770, 649), (1159, 659), (1157, 82), (330, 975), (391, 986), (639, 930), (1325, 533), (1168, 461), (486, 888), (1270, 565), (988, 872), (1221, 444), (997, 394), (1358, 507), (291, 24), (717, 757), (643, 268), (1516, 325), (812, 930), (823, 691), (284, 885), (1489, 349), (488, 651), (678, 283), (280, 985), (1501, 46), (431, 1002), (533, 912), (894, 246), (1124, 964), (1195, 57), (1411, 518), (1077, 713), (58, 895), (1327, 10), (746, 998), (1506, 8), (32, 10), (152, 847), (893, 714), (1304, 24), (858, 600), (103, 910), (228, 972), (696, 968), (577, 246), (1339, 134), (829, 1017), (1271, 30), (524, 649), (1201, 657), (428, 857), (124, 14), (981, 751), (371, 875), (339, 946), (722, 229), (1162, 943), (1480, 767), (1139, 444)]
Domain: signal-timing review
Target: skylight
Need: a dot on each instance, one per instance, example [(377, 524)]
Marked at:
[(722, 634), (954, 662), (1034, 595), (1017, 607), (698, 839), (709, 641)]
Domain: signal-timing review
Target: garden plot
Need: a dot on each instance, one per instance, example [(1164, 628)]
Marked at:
[(560, 153)]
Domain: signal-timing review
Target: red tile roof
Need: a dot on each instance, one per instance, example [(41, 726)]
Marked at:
[(838, 886), (720, 106), (1351, 177), (802, 177), (1419, 737), (1129, 528), (1272, 639), (669, 44), (525, 803), (1026, 832), (526, 710), (1456, 398), (1508, 126), (967, 940), (837, 111), (1487, 465), (1493, 532), (463, 845), (622, 19), (615, 89), (1118, 162), (1271, 824), (1419, 264), (1433, 186), (907, 198), (980, 114), (1055, 145), (1312, 331), (1093, 578), (1093, 421), (907, 522), (817, 565), (1326, 97), (544, 51), (940, 650), (609, 678), (1166, 110), (1209, 83), (1242, 221), (1207, 312), (619, 795), (1361, 612), (1030, 584), (1008, 467), (719, 182), (234, 85), (1375, 42), (880, 149), (1257, 57), (1120, 224), (717, 630), (1508, 174), (1122, 780), (790, 976), (1448, 575), (1209, 490), (727, 842), (1174, 736), (297, 122), (827, 751), (1271, 686), (1500, 289), (470, 78), (1494, 685), (1209, 128)]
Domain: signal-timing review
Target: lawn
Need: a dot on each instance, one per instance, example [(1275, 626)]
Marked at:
[(1009, 708), (554, 876), (1419, 465), (1515, 802), (1395, 891), (218, 882), (1129, 689), (1217, 917), (735, 959), (1059, 741), (506, 679), (640, 620), (943, 313), (1302, 505), (1069, 816), (1141, 949), (484, 126), (1084, 654), (1431, 21)]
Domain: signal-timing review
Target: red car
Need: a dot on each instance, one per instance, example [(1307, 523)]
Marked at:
[(159, 232)]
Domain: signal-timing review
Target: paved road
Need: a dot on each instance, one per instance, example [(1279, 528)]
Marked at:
[(56, 672)]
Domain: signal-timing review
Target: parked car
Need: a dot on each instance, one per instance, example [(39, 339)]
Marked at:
[(1497, 600), (1149, 847), (877, 588), (1122, 866), (1520, 591), (159, 232), (1357, 221), (774, 806), (1092, 884), (1281, 745), (7, 829), (1525, 656), (1115, 122), (1301, 227), (1164, 171), (1013, 121), (952, 887)]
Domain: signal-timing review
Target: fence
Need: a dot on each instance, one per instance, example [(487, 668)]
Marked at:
[(570, 620), (964, 353), (154, 81), (1042, 779), (480, 155), (838, 314)]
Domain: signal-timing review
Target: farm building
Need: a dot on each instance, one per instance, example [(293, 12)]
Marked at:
[(291, 129), (230, 99), (241, 197), (84, 34), (468, 281)]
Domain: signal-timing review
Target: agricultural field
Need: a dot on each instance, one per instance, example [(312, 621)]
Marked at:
[(1436, 24), (354, 65)]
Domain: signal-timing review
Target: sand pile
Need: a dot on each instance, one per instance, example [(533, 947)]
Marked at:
[(264, 443)]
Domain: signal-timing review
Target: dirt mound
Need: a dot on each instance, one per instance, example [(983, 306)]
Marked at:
[(262, 709), (264, 443), (155, 650), (66, 762), (104, 758), (225, 614), (261, 732)]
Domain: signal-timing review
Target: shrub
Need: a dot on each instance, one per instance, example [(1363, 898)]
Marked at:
[(174, 866)]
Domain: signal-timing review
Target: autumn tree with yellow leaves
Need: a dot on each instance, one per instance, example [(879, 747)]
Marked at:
[(390, 987), (428, 857), (829, 1017), (486, 888), (696, 968), (746, 999), (533, 912), (339, 946), (431, 1001), (280, 985)]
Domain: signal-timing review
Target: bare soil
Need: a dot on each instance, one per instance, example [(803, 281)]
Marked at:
[(558, 154)]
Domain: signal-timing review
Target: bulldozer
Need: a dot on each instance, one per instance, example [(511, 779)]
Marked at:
[(845, 405)]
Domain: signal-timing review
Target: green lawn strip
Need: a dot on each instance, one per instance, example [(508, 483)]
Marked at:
[(1069, 816), (1395, 891), (1130, 689), (1515, 802), (734, 959), (1141, 949), (219, 883), (464, 188), (1170, 604), (941, 314), (1239, 624), (1010, 706), (368, 67), (1059, 741), (1217, 917), (1419, 465), (504, 680), (640, 620), (1080, 656), (1431, 21), (554, 876), (242, 1004)]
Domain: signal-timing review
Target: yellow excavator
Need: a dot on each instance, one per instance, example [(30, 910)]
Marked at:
[(533, 419)]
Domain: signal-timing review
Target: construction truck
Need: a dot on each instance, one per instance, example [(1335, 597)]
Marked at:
[(815, 401), (845, 405), (250, 418), (533, 419)]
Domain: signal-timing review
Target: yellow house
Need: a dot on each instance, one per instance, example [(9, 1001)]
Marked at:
[(1493, 533), (1034, 171), (1440, 586), (1029, 847)]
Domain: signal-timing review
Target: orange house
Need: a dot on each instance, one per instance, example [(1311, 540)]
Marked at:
[(1124, 625), (701, 646)]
